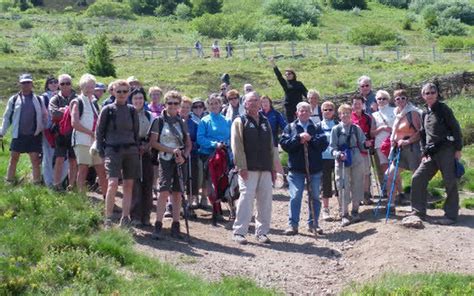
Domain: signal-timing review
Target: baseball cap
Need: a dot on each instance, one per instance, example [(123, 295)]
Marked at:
[(26, 77), (100, 86)]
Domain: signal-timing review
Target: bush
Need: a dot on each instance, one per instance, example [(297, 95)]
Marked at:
[(457, 9), (183, 12), (212, 25), (75, 38), (116, 39), (395, 3), (419, 5), (406, 24), (347, 4), (445, 27), (143, 6), (373, 35), (48, 46), (297, 12), (5, 5), (307, 32), (201, 7), (356, 11), (25, 24), (5, 46), (99, 57), (109, 8), (451, 43)]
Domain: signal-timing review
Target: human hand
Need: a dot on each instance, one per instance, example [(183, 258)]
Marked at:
[(274, 175), (402, 143), (220, 145), (272, 61), (457, 155), (368, 143)]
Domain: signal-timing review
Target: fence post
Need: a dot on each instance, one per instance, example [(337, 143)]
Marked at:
[(260, 49), (398, 52), (152, 52), (434, 52), (363, 52), (327, 49), (143, 52), (293, 49), (337, 52)]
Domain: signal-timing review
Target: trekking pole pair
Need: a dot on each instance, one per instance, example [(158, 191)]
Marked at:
[(183, 200), (394, 181), (310, 190)]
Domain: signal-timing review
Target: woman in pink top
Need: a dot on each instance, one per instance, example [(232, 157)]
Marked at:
[(156, 107)]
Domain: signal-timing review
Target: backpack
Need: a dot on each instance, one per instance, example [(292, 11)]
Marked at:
[(161, 121), (65, 124)]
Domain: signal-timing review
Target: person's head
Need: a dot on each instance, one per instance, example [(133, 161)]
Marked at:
[(252, 103), (87, 85), (223, 88), (266, 103), (248, 88), (401, 98), (382, 97), (172, 102), (99, 90), (365, 85), (186, 104), (429, 92), (357, 103), (134, 82), (65, 84), (26, 83), (121, 91), (198, 107), (313, 97), (344, 112), (138, 98), (303, 111), (214, 103), (290, 74), (51, 84), (155, 94), (110, 89), (329, 110), (233, 97)]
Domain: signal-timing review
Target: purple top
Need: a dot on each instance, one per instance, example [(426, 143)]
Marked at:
[(156, 109)]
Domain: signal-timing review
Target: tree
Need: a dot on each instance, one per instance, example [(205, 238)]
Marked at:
[(201, 7), (99, 57)]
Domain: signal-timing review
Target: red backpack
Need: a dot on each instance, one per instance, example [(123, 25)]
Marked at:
[(65, 124)]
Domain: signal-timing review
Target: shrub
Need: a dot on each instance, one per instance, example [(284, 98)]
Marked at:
[(201, 7), (459, 9), (25, 24), (406, 24), (372, 35), (143, 6), (75, 38), (99, 57), (5, 5), (109, 8), (48, 46), (5, 46), (451, 43), (297, 12), (212, 25), (116, 39), (356, 11), (347, 4), (307, 32), (183, 11), (448, 26), (419, 5), (395, 3), (166, 7)]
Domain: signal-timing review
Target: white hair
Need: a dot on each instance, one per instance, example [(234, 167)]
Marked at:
[(303, 105), (85, 79), (251, 94), (383, 94), (248, 85), (313, 92), (364, 78), (63, 77)]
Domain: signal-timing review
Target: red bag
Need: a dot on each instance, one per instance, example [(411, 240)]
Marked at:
[(65, 125), (386, 146), (50, 137)]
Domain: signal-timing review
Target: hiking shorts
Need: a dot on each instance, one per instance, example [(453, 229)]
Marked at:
[(169, 178), (84, 157), (27, 144), (125, 160), (63, 147)]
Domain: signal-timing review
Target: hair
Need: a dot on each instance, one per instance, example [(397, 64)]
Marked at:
[(187, 100), (136, 91), (251, 94), (85, 79), (173, 94), (313, 92), (400, 92), (429, 86), (155, 89), (110, 88), (265, 97), (364, 78), (302, 105), (344, 107), (291, 71), (247, 85), (328, 103), (213, 96), (233, 92), (48, 79), (357, 97), (120, 82), (65, 76), (383, 94)]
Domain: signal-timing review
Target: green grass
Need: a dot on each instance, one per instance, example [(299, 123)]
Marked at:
[(415, 284), (468, 203), (52, 244)]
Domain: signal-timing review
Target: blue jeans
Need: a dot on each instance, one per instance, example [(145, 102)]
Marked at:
[(297, 185)]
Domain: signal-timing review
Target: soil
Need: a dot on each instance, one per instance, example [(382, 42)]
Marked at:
[(303, 264)]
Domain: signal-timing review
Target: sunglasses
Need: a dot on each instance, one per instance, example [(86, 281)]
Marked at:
[(122, 91), (172, 103), (430, 93), (327, 110), (26, 82), (233, 98), (381, 99), (400, 98), (53, 82), (365, 85), (198, 106), (65, 83)]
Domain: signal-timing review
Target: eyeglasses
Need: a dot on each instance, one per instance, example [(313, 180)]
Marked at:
[(53, 82), (26, 82), (233, 98), (400, 98), (248, 89), (65, 83), (327, 110), (430, 93), (172, 103), (345, 114), (122, 91), (365, 85), (198, 106), (381, 99)]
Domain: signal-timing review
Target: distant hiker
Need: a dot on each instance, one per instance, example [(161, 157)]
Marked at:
[(365, 89), (295, 91), (27, 116), (215, 49), (111, 98), (252, 144), (198, 47), (297, 134), (229, 49), (441, 143)]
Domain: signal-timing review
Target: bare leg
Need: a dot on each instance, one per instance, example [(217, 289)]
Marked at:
[(14, 157), (73, 170), (81, 177), (325, 202), (58, 169), (176, 202), (110, 197), (127, 197), (100, 170), (36, 166), (161, 205)]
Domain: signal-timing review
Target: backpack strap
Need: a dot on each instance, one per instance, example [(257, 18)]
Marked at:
[(410, 120), (15, 98), (133, 114)]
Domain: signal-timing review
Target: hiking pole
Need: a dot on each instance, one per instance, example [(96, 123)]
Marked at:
[(373, 164), (309, 189), (183, 201), (140, 159), (394, 179), (343, 188), (384, 183)]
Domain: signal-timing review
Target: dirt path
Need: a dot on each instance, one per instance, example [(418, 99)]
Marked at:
[(301, 264)]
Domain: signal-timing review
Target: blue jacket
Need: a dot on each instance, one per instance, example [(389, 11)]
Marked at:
[(277, 123), (212, 129), (290, 142), (192, 129)]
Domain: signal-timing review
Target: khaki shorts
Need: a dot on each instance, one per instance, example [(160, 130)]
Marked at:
[(84, 157)]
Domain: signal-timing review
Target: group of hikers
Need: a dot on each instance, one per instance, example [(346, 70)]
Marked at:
[(200, 153)]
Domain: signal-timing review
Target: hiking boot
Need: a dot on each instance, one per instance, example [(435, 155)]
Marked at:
[(10, 182), (367, 199), (444, 221), (125, 222), (175, 231), (108, 223), (318, 230), (291, 230), (355, 217), (240, 239), (263, 239), (326, 214), (157, 232), (204, 204), (345, 221), (194, 203), (168, 211), (57, 188)]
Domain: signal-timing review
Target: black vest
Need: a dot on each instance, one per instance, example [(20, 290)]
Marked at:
[(258, 143)]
